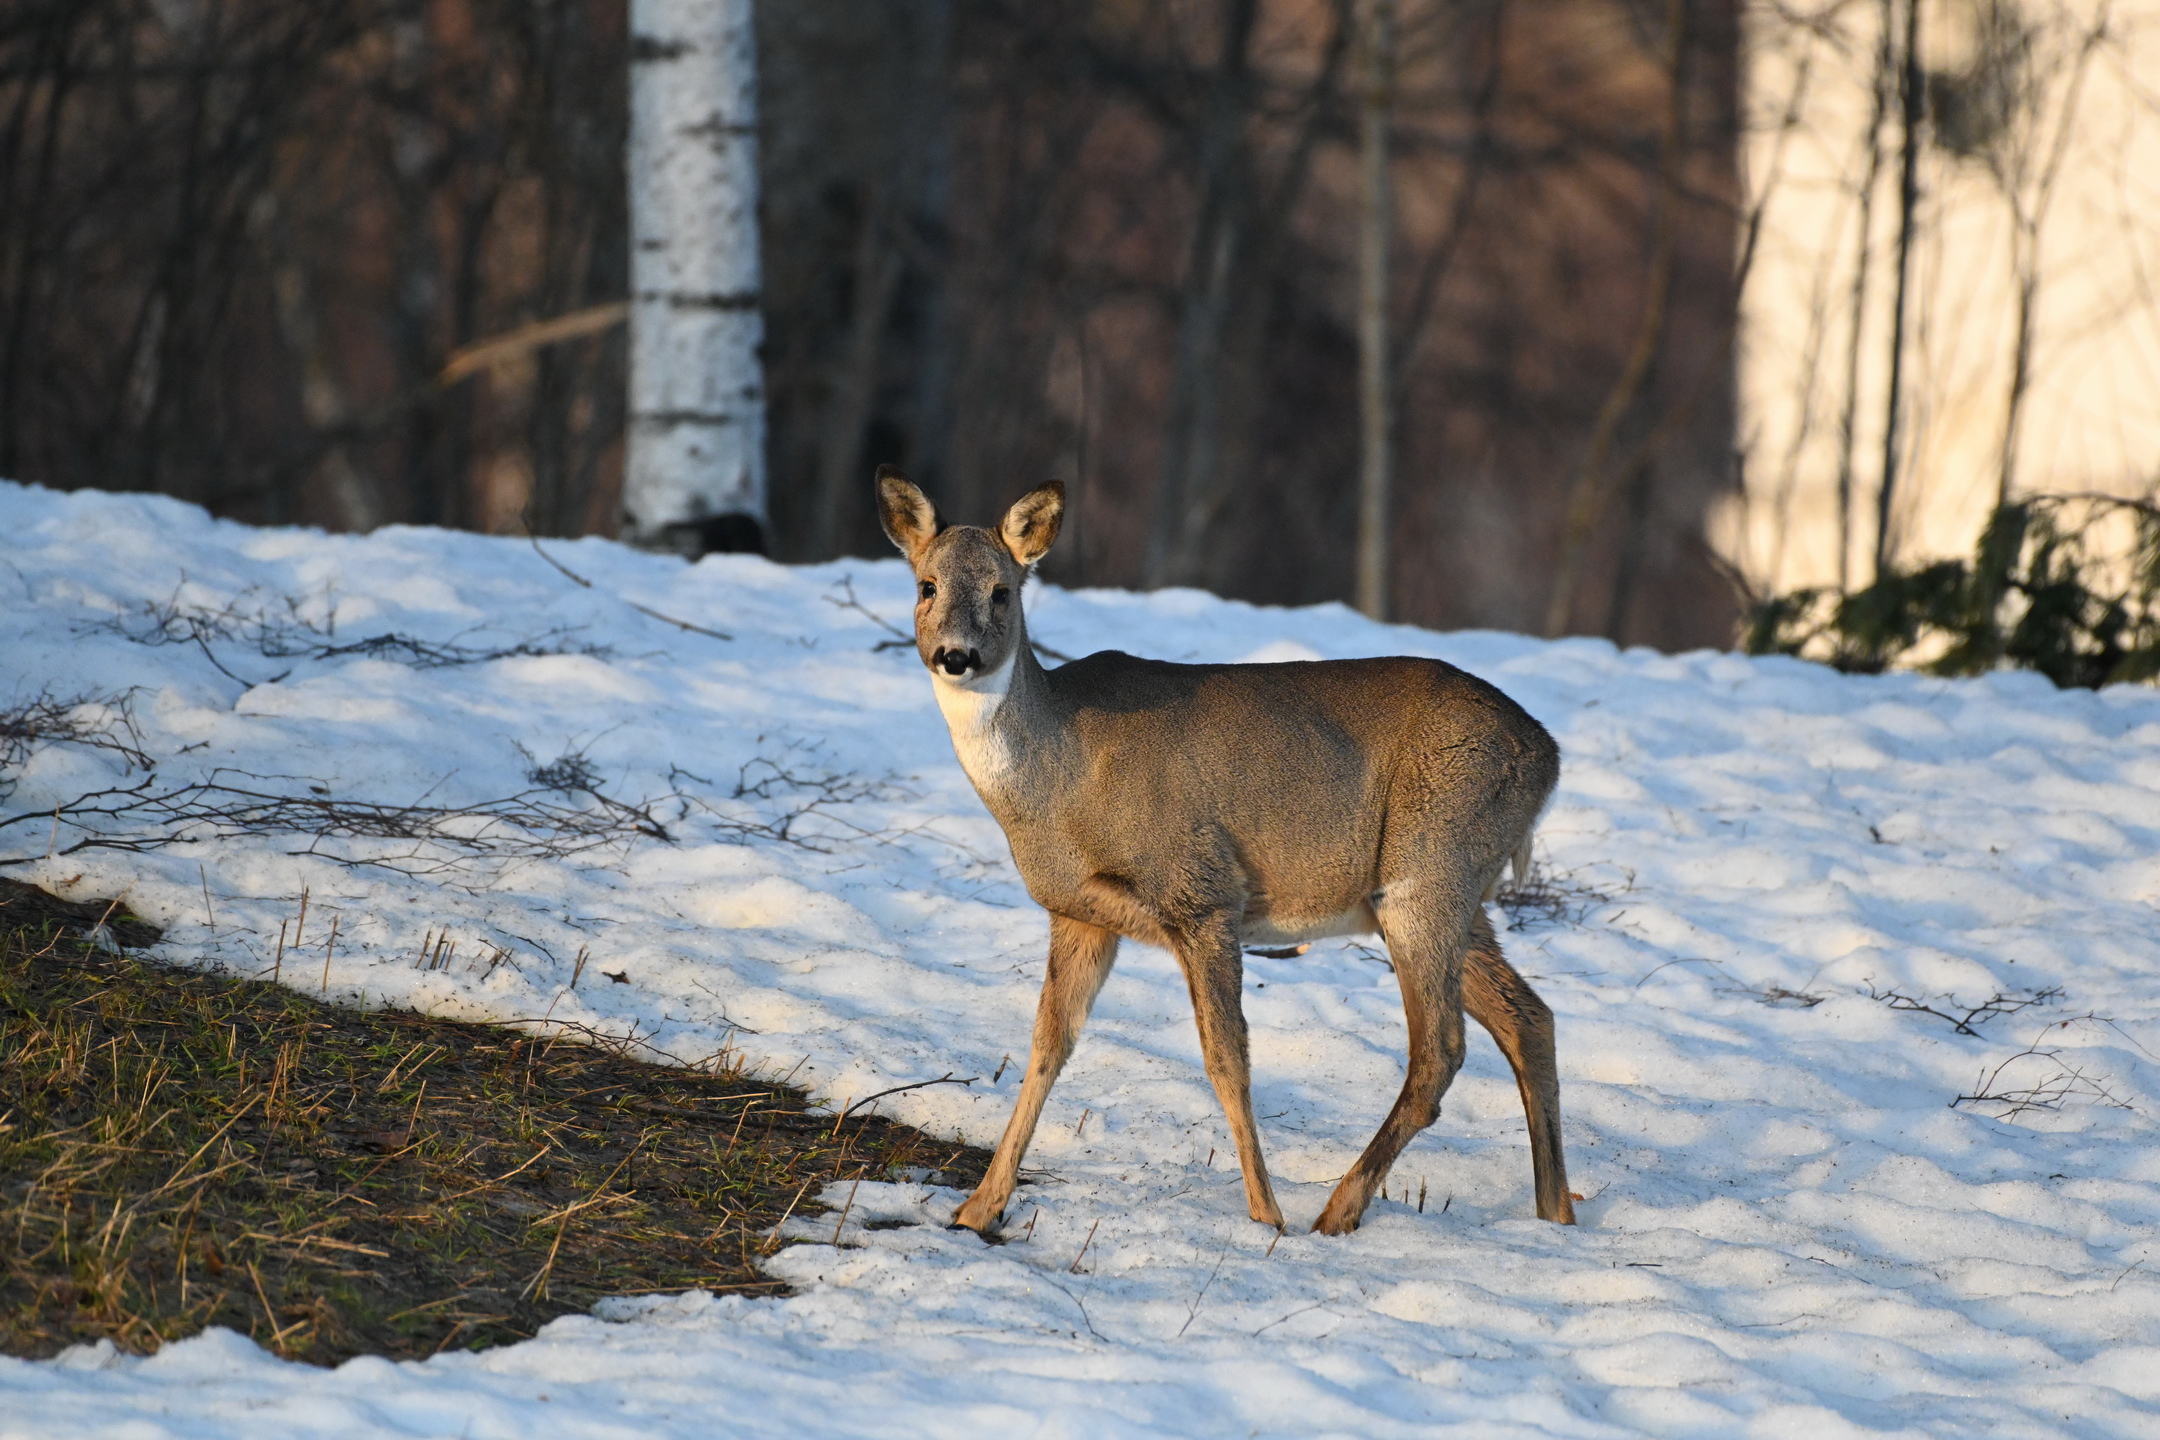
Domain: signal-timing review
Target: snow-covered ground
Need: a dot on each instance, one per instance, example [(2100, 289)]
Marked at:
[(1789, 1227)]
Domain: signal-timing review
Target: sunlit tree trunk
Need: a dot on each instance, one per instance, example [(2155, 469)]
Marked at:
[(694, 472), (1848, 433)]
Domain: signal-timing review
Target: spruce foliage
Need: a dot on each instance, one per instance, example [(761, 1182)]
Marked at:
[(2038, 593)]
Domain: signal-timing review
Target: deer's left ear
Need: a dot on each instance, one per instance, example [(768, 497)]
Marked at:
[(1030, 528)]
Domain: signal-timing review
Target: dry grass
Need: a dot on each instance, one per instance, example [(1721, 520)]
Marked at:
[(180, 1150), (1548, 897)]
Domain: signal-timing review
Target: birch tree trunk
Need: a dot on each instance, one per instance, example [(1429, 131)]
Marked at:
[(694, 471)]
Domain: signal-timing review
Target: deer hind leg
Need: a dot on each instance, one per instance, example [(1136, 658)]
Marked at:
[(1080, 960), (1215, 975), (1426, 943), (1521, 1025)]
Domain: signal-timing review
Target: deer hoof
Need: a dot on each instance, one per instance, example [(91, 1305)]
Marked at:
[(1337, 1220), (976, 1217)]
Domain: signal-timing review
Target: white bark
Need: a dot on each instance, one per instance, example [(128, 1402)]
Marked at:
[(696, 446)]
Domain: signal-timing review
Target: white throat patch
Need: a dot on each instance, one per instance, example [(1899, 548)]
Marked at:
[(970, 705)]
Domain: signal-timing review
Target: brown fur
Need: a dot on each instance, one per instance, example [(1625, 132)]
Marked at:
[(1200, 807)]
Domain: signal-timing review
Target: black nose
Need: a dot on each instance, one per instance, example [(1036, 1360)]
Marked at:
[(955, 662)]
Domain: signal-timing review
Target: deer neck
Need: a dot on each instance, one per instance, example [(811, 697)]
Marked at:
[(988, 717)]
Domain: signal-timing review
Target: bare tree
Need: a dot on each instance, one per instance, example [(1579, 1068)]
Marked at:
[(1178, 187), (1591, 489), (368, 261), (1912, 108), (2025, 159), (1998, 269), (1848, 435), (271, 258), (1376, 224), (1192, 444)]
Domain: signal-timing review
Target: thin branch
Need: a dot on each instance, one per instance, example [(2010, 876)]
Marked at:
[(96, 722), (634, 605), (854, 1105), (499, 350), (1969, 1016)]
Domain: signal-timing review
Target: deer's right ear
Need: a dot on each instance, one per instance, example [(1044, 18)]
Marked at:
[(910, 520)]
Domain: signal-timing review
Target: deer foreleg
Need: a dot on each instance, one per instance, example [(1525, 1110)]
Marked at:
[(1080, 958)]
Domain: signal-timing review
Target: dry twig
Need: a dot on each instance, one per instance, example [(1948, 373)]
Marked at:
[(1961, 1017)]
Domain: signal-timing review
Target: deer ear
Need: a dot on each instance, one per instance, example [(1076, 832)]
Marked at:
[(910, 520), (1031, 526)]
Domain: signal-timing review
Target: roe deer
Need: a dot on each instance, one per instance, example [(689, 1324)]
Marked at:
[(1200, 807)]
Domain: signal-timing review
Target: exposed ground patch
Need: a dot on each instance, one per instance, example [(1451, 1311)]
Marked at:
[(180, 1150)]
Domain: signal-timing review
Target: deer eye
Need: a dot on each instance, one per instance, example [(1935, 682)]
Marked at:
[(928, 589), (999, 595)]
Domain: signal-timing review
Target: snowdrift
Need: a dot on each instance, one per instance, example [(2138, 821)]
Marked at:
[(1855, 978)]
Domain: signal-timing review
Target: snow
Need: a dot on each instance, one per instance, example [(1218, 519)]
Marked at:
[(1790, 1229)]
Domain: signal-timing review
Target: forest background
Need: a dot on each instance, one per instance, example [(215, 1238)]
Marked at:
[(1688, 303)]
